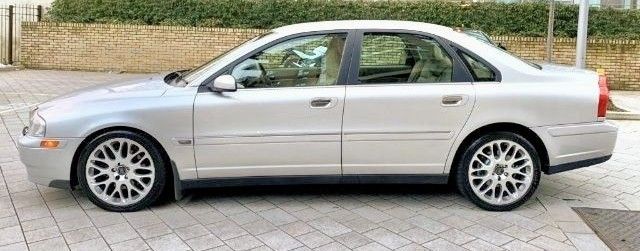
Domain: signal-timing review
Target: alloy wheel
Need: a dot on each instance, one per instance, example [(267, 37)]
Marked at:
[(501, 172), (120, 171)]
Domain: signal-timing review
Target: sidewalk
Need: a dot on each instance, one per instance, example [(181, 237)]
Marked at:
[(628, 101)]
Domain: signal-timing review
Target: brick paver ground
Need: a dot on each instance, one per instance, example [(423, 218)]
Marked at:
[(302, 218)]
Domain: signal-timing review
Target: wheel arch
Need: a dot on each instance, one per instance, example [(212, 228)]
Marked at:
[(519, 129), (73, 178)]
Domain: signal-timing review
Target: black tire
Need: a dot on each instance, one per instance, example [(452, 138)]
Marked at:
[(159, 178), (462, 177)]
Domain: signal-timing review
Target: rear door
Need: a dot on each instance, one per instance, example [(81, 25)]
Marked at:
[(408, 96)]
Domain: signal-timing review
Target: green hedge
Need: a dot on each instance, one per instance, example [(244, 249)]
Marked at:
[(526, 19)]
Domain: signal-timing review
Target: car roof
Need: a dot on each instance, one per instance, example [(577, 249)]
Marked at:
[(363, 24)]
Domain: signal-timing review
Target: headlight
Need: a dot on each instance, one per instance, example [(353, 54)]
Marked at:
[(37, 125)]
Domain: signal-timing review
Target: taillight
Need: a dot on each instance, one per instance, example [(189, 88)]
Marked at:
[(603, 100)]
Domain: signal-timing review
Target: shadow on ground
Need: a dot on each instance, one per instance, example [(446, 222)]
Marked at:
[(320, 190)]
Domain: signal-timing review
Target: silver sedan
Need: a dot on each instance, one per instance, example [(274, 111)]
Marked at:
[(326, 103)]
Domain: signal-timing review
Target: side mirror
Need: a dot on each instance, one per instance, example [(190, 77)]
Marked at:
[(224, 83)]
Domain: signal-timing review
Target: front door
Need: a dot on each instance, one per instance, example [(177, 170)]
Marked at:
[(285, 118), (405, 104)]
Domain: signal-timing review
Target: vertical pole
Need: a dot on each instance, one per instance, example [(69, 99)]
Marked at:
[(581, 39), (552, 4), (10, 36), (39, 13)]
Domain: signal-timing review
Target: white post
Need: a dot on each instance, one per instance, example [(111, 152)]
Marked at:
[(581, 39)]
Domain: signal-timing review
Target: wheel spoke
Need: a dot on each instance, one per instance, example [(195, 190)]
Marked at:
[(506, 189), (518, 159), (100, 183), (484, 155), (482, 163), (498, 149), (514, 185), (509, 150), (130, 190), (93, 176), (137, 179), (124, 150), (488, 186), (139, 166), (134, 188), (144, 175), (112, 153)]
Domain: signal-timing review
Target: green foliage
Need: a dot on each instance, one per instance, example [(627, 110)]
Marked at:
[(525, 19)]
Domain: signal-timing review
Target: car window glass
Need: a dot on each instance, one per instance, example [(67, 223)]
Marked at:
[(478, 35), (304, 61), (480, 71), (403, 58)]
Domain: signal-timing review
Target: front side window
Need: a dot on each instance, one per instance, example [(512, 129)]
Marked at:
[(304, 61), (480, 71), (403, 58)]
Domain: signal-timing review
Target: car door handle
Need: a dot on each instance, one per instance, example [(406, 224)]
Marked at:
[(453, 100), (323, 102)]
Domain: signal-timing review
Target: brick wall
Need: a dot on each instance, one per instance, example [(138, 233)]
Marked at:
[(130, 48), (137, 48), (619, 58)]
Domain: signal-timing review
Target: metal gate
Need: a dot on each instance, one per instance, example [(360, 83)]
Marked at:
[(10, 18)]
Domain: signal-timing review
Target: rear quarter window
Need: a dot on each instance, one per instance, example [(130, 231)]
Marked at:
[(480, 71)]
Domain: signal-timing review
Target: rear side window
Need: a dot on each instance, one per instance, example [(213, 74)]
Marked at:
[(403, 58), (480, 71)]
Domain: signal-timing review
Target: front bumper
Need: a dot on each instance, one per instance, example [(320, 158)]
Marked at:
[(577, 145), (49, 167)]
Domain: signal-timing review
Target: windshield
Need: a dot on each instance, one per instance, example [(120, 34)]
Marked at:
[(189, 75)]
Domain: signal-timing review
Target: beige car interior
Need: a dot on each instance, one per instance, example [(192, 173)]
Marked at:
[(424, 61), (414, 59), (275, 69)]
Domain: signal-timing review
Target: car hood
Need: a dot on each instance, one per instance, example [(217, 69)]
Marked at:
[(151, 86)]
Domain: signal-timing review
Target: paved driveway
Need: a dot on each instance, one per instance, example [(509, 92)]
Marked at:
[(300, 217)]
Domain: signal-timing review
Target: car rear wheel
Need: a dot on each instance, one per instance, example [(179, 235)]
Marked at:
[(499, 171), (121, 171)]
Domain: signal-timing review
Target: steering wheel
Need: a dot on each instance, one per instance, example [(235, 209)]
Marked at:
[(262, 81)]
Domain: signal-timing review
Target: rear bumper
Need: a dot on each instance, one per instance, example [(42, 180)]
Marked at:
[(575, 165), (577, 145), (48, 167)]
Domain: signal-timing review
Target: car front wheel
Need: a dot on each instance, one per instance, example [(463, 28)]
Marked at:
[(121, 171), (499, 171)]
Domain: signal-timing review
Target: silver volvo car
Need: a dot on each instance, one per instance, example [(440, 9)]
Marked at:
[(327, 103)]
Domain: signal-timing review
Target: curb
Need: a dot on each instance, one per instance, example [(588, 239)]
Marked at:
[(623, 115), (10, 68)]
